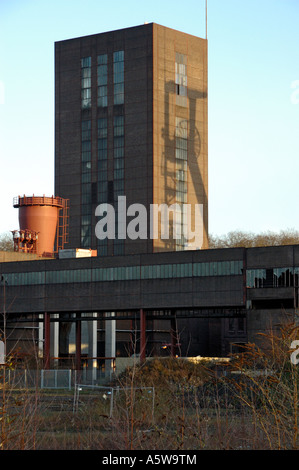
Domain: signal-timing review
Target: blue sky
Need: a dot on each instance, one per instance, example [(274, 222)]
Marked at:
[(253, 98)]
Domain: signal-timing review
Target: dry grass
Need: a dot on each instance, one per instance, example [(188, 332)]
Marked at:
[(252, 406)]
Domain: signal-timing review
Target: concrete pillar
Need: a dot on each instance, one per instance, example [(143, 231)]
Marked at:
[(2, 353), (41, 336), (110, 342), (55, 339), (93, 347)]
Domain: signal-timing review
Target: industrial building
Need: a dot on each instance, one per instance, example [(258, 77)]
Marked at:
[(188, 303), (131, 121)]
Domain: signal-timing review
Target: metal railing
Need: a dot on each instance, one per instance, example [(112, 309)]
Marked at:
[(19, 201)]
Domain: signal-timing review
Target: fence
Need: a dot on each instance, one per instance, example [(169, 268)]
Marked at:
[(57, 378), (112, 393), (22, 378), (54, 378)]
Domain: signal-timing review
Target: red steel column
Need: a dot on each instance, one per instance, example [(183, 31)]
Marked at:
[(142, 335), (47, 341)]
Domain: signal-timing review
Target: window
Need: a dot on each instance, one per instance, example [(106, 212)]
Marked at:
[(86, 208), (102, 174), (118, 174), (118, 77), (241, 325), (181, 79), (86, 82), (231, 325), (102, 80), (181, 155), (118, 141), (102, 151), (219, 268), (256, 278)]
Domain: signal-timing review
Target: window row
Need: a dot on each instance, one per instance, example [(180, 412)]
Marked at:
[(276, 277), (126, 273)]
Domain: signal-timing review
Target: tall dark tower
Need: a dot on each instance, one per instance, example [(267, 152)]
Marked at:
[(131, 120)]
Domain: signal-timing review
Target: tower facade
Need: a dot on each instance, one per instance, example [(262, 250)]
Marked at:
[(131, 129)]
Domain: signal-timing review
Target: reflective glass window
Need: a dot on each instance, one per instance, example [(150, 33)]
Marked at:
[(118, 77), (86, 82)]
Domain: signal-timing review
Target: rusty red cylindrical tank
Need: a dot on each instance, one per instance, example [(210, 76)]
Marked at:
[(40, 214)]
